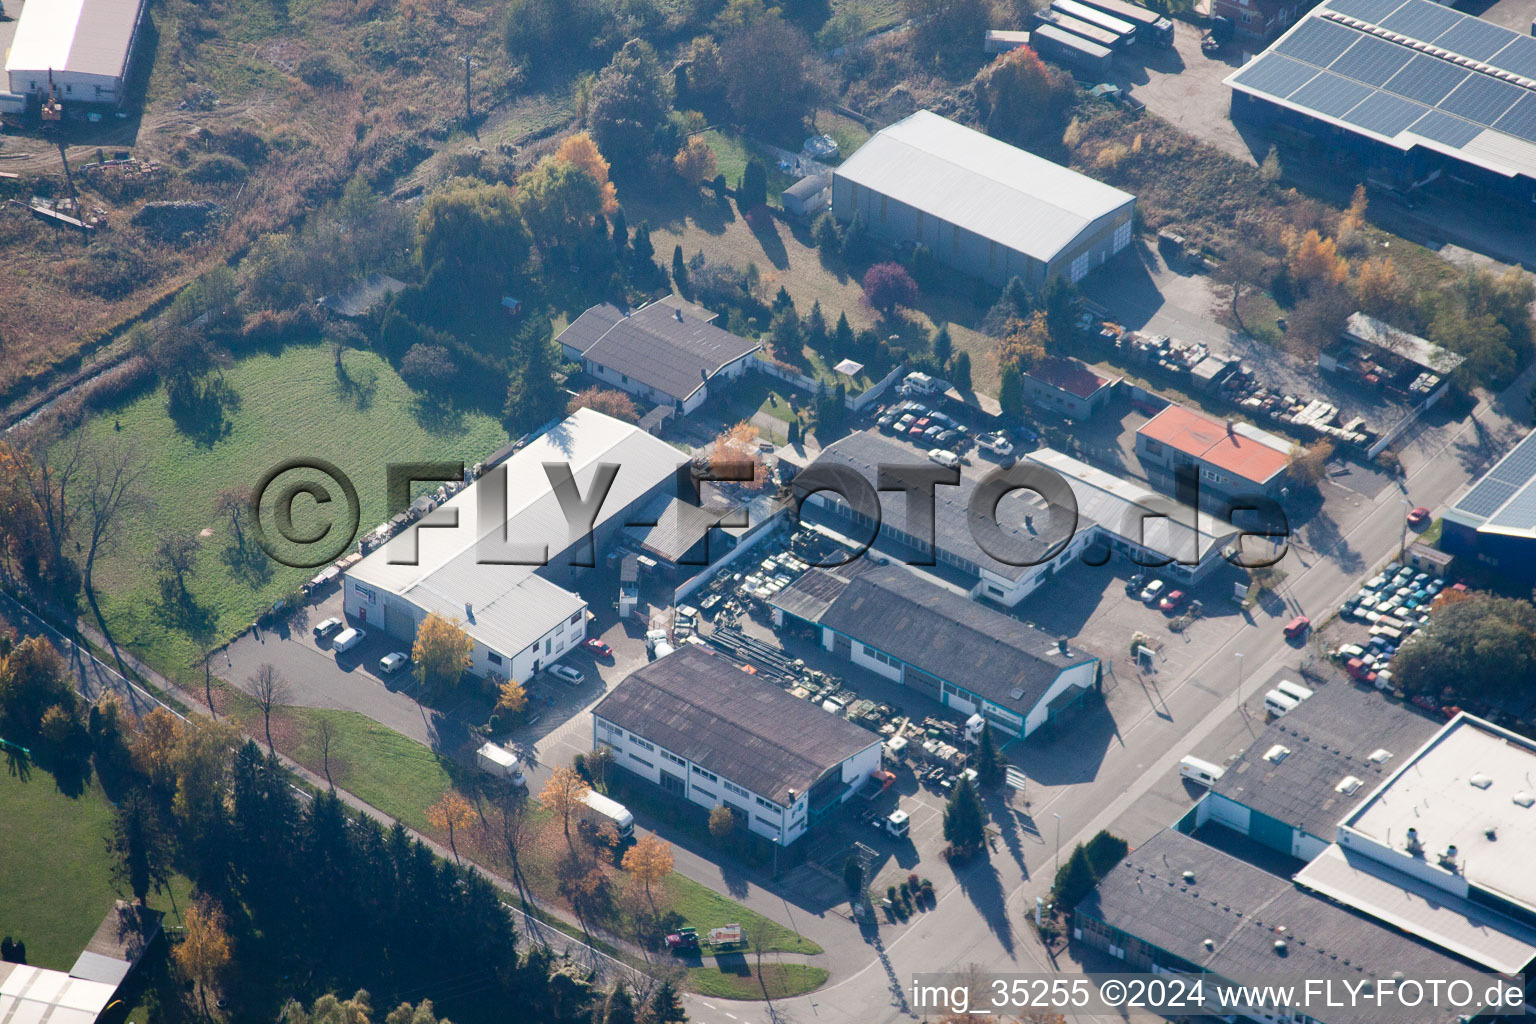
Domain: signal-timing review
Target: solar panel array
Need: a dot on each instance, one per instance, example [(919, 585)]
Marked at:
[(1388, 87), (1515, 471)]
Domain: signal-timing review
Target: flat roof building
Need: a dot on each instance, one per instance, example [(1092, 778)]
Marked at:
[(522, 618), (1413, 86), (666, 352), (1177, 905), (702, 729), (1494, 522), (1067, 387), (86, 46), (962, 654), (1232, 457), (980, 205)]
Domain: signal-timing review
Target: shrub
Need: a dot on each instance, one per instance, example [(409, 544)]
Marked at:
[(754, 186), (912, 882), (217, 167), (890, 893), (320, 72), (887, 286), (827, 235)]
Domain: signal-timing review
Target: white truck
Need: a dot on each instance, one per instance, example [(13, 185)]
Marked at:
[(597, 809), (500, 762)]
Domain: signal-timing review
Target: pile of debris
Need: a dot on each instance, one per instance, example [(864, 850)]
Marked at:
[(173, 219)]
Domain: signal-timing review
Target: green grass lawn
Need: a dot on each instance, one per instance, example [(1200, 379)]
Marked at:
[(738, 979), (731, 155), (55, 872), (290, 405), (703, 908)]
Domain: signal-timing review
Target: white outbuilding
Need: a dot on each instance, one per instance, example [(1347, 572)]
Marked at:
[(87, 46)]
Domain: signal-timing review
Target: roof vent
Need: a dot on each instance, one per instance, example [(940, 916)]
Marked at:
[(1412, 844), (1276, 753), (1280, 947), (1481, 781), (1524, 799), (1209, 944), (1448, 857), (678, 314), (1380, 755), (1061, 645), (1347, 785), (1189, 878), (1017, 693), (1491, 833)]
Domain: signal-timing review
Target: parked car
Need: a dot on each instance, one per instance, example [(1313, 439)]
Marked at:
[(326, 628), (1419, 516), (347, 639), (597, 647), (1359, 670), (886, 423), (1150, 593), (949, 460), (1347, 651), (1172, 601), (393, 662), (1297, 627), (567, 675)]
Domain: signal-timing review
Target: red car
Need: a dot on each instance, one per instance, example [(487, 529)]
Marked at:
[(1174, 600), (598, 647), (1358, 669), (1297, 627), (1419, 516)]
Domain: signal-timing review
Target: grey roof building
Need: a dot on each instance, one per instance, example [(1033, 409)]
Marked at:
[(1305, 772), (85, 46), (1180, 905), (960, 653), (697, 725), (666, 352), (1495, 521)]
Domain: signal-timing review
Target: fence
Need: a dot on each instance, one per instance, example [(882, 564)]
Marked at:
[(606, 968), (761, 529), (789, 376), (856, 403)]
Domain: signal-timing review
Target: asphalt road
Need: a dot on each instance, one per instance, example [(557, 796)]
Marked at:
[(982, 922)]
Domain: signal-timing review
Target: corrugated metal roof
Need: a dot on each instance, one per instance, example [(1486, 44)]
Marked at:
[(981, 184), (1411, 347), (91, 37), (510, 606), (669, 345)]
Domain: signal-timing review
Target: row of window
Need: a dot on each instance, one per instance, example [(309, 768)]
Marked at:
[(637, 757), (699, 790), (769, 804), (711, 776), (674, 759), (733, 788), (882, 658), (645, 744)]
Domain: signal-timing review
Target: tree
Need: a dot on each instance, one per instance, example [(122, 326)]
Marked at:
[(785, 339), (1010, 390), (325, 735), (942, 27), (1309, 465), (887, 286), (620, 1007), (857, 246), (511, 698), (960, 371), (111, 489), (175, 560), (649, 860), (942, 345), (1379, 290), (1105, 850), (754, 185), (1314, 259), (475, 234), (429, 368), (842, 336), (965, 820), (451, 813), (1025, 343), (204, 949), (827, 236), (816, 327), (441, 652), (608, 402), (534, 397), (234, 504), (988, 760), (271, 690), (1316, 320), (695, 163), (33, 680), (628, 101), (771, 78), (1074, 880), (557, 202), (679, 269), (665, 1006), (733, 451), (154, 747), (201, 762), (1270, 170), (721, 821), (1480, 646), (1018, 91), (645, 253), (1353, 218), (853, 875), (140, 847), (564, 794), (580, 152), (1244, 267)]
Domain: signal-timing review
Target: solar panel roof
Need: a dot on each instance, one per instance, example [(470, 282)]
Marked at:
[(1411, 72), (1514, 471)]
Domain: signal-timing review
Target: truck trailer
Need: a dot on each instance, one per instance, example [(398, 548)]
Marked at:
[(1086, 59), (1151, 26), (1077, 27), (1124, 31), (597, 809)]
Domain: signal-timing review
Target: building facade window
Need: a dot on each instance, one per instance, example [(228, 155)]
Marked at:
[(1122, 236), (1079, 268), (644, 744), (493, 657), (699, 790), (708, 775), (731, 787), (637, 757), (770, 824), (576, 619)]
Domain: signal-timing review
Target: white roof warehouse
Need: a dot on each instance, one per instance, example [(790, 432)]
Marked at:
[(520, 618), (981, 205), (87, 45)]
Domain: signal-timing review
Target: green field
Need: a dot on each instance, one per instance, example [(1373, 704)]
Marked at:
[(738, 979), (55, 872), (286, 406)]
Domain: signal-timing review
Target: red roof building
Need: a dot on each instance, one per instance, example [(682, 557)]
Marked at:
[(1233, 457), (1066, 387)]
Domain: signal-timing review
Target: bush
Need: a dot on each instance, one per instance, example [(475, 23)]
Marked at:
[(887, 286), (320, 72), (754, 186), (217, 167), (827, 235)]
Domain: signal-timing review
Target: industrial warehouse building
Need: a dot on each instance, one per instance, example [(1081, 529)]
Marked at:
[(967, 657), (1124, 517), (522, 618), (1177, 906), (701, 728), (667, 352), (1494, 523), (1413, 87), (85, 46), (980, 205)]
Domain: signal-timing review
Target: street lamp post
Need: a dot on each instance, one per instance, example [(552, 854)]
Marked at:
[(1239, 694), (1058, 839), (1402, 545)]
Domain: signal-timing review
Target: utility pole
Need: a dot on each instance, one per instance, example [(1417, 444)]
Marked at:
[(469, 112), (1239, 693)]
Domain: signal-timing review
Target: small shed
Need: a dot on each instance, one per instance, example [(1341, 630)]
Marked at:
[(809, 196)]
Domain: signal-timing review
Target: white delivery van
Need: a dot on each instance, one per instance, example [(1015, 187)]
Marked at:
[(500, 762), (347, 639), (597, 809), (1203, 772), (1294, 690), (1279, 704)]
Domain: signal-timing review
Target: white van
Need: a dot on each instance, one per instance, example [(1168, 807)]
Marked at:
[(1294, 690), (596, 809), (347, 639), (499, 761), (1203, 772), (949, 460), (1279, 704)]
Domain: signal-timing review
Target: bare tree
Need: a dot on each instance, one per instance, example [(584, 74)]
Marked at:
[(325, 732), (234, 503), (46, 468), (110, 486), (175, 559), (1244, 267), (270, 690)]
